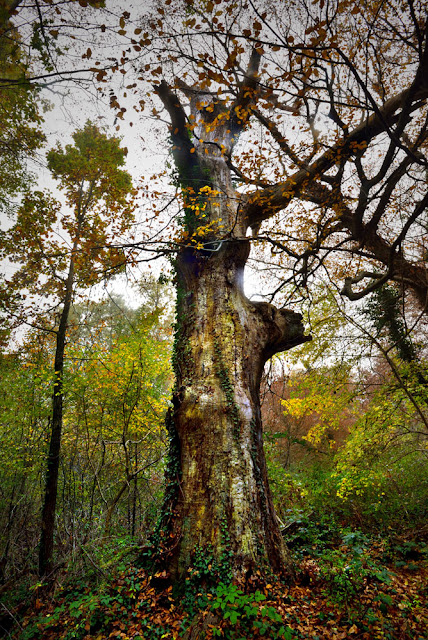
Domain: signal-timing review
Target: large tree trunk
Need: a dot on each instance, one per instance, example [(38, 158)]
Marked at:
[(218, 497)]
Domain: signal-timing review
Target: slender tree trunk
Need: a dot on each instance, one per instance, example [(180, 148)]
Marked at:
[(134, 493), (51, 480)]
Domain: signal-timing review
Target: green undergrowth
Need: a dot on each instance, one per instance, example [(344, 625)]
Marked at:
[(346, 543), (349, 585), (246, 613), (389, 499), (357, 577)]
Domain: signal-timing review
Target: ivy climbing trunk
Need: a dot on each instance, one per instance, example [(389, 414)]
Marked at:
[(218, 495), (217, 498)]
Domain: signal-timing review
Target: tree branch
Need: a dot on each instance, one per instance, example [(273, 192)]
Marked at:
[(186, 161), (390, 255), (266, 202), (240, 109)]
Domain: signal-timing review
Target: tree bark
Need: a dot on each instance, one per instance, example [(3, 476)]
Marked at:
[(218, 493), (46, 545), (217, 498)]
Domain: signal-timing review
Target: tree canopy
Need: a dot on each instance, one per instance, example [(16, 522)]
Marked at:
[(21, 108), (329, 104)]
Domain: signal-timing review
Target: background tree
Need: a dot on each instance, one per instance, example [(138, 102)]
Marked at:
[(24, 409), (347, 436), (116, 390), (97, 192), (117, 405)]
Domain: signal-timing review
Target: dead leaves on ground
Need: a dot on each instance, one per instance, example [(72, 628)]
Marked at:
[(133, 609)]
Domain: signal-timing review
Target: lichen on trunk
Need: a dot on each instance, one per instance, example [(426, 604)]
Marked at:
[(217, 499), (217, 496)]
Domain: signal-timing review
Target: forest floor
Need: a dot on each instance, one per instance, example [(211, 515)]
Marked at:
[(365, 599)]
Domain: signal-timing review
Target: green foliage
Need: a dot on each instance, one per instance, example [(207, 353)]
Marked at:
[(381, 469), (206, 571), (287, 489), (245, 615), (21, 118), (326, 395), (345, 570), (383, 309), (86, 607), (94, 159), (324, 317), (25, 390), (99, 199), (116, 391), (364, 421)]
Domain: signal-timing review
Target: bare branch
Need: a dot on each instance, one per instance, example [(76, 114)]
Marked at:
[(265, 203)]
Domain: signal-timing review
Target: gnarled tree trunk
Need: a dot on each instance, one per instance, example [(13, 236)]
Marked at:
[(218, 498), (220, 494)]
